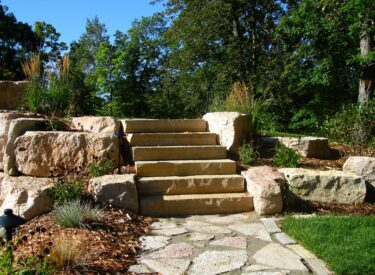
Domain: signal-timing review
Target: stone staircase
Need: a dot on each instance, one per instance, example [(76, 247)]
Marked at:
[(182, 171)]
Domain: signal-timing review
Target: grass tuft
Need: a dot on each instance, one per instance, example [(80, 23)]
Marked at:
[(76, 214)]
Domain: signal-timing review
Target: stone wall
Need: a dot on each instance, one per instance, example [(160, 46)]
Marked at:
[(11, 94)]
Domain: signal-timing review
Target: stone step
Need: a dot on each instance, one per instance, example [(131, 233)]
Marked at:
[(198, 204), (202, 184), (185, 168), (165, 139), (163, 125), (179, 152)]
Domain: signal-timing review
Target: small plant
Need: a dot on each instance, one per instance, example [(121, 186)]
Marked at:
[(285, 157), (76, 214), (248, 154), (55, 124), (65, 191), (67, 253), (101, 169)]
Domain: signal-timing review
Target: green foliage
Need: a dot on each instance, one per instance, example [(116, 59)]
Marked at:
[(76, 214), (353, 124), (66, 191), (345, 243), (55, 124), (101, 169), (33, 265), (285, 157), (248, 154)]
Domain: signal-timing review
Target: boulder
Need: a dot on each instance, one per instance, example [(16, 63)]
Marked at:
[(309, 147), (17, 128), (27, 196), (325, 186), (265, 184), (362, 166), (116, 190), (232, 128), (44, 154), (12, 93), (6, 118), (103, 124)]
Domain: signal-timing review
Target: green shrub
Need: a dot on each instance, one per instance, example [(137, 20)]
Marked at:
[(76, 214), (248, 154), (101, 169), (354, 124), (55, 124), (285, 157), (65, 191)]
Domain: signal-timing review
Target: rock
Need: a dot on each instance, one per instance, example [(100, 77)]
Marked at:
[(153, 242), (117, 190), (318, 267), (279, 257), (301, 251), (256, 267), (362, 166), (163, 224), (325, 186), (11, 94), (102, 124), (233, 218), (232, 128), (270, 225), (284, 239), (168, 266), (44, 154), (206, 228), (255, 230), (309, 147), (17, 128), (27, 196), (196, 236), (139, 269), (233, 242), (216, 262), (175, 250), (169, 231), (6, 118), (265, 185)]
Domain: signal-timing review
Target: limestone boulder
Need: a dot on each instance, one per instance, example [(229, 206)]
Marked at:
[(309, 147), (27, 196), (232, 128), (6, 118), (362, 166), (325, 186), (17, 128), (103, 124), (116, 190), (44, 154), (12, 93), (265, 184)]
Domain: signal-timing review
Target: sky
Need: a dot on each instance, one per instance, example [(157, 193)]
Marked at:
[(69, 16)]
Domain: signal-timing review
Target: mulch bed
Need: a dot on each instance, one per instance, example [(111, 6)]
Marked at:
[(110, 245)]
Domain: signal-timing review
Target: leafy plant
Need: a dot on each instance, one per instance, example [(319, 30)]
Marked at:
[(101, 169), (285, 157), (65, 191), (67, 253), (248, 154), (76, 214), (354, 124), (55, 124)]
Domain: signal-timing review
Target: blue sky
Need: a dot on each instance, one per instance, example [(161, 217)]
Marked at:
[(69, 16)]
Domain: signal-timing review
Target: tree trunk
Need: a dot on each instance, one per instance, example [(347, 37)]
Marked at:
[(367, 80)]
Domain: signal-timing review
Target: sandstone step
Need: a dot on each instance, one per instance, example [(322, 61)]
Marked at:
[(163, 125), (185, 167), (198, 204), (202, 184), (165, 139), (179, 152)]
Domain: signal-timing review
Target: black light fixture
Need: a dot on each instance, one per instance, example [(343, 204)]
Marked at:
[(119, 134), (10, 221)]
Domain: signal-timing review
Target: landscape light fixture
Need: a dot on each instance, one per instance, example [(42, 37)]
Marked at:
[(10, 221)]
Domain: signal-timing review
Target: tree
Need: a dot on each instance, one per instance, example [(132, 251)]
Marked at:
[(17, 42)]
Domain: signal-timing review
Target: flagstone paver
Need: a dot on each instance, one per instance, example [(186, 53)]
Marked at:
[(214, 244), (284, 238)]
